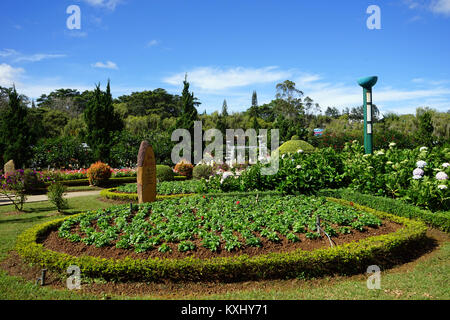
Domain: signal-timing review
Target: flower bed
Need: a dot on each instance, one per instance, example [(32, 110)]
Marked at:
[(350, 258)]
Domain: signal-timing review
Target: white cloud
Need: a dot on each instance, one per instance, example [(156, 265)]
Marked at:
[(9, 75), (152, 43), (217, 79), (16, 56), (108, 65), (110, 4), (436, 6), (441, 6), (38, 57), (8, 53)]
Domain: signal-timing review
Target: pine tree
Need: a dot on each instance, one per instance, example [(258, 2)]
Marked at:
[(15, 131), (254, 111), (225, 108), (189, 113), (101, 122)]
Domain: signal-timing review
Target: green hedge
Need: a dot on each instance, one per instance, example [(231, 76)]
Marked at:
[(439, 220), (127, 197), (351, 258), (85, 182)]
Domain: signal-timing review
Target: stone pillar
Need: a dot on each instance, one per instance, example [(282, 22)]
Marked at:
[(146, 173), (9, 168)]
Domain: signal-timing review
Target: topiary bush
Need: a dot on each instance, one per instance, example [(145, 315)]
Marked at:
[(98, 173), (202, 171), (184, 168), (164, 173), (293, 146)]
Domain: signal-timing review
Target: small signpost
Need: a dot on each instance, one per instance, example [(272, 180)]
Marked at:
[(367, 83), (318, 132)]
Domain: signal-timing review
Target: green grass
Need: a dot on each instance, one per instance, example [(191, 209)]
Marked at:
[(428, 279)]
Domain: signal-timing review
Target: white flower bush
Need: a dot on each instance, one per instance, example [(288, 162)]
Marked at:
[(421, 164), (418, 172), (442, 187), (441, 176), (226, 175), (423, 149), (446, 165)]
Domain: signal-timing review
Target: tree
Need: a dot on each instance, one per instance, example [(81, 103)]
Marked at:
[(254, 111), (189, 112), (15, 134), (332, 112), (424, 134), (101, 123), (288, 101), (225, 108)]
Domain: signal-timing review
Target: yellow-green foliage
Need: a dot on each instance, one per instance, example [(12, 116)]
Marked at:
[(292, 146), (111, 194), (345, 259)]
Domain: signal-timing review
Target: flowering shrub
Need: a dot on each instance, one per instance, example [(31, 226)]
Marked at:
[(98, 173), (184, 168), (13, 187), (412, 175)]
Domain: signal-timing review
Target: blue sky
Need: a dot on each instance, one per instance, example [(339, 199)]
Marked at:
[(231, 47)]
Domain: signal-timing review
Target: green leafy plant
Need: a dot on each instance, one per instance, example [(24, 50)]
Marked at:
[(55, 195)]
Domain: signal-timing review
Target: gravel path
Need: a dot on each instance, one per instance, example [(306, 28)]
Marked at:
[(4, 200)]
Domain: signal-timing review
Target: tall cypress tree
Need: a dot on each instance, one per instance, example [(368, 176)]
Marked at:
[(225, 108), (15, 134), (102, 122), (254, 111), (189, 113)]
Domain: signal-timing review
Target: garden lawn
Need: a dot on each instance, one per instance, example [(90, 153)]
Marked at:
[(425, 279)]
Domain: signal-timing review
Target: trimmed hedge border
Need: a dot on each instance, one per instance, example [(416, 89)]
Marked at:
[(347, 259), (112, 195), (85, 182), (439, 220)]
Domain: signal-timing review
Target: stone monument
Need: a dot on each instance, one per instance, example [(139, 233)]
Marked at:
[(146, 173), (9, 168)]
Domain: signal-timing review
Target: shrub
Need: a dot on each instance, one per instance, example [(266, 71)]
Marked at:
[(164, 173), (293, 146), (98, 173), (202, 171), (61, 152), (55, 195), (184, 168), (295, 137), (32, 180), (13, 188), (440, 220)]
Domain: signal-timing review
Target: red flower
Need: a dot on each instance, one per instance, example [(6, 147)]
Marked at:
[(203, 217), (204, 197), (238, 202), (351, 203)]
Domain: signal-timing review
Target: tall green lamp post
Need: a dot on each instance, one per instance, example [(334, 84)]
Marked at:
[(367, 83)]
